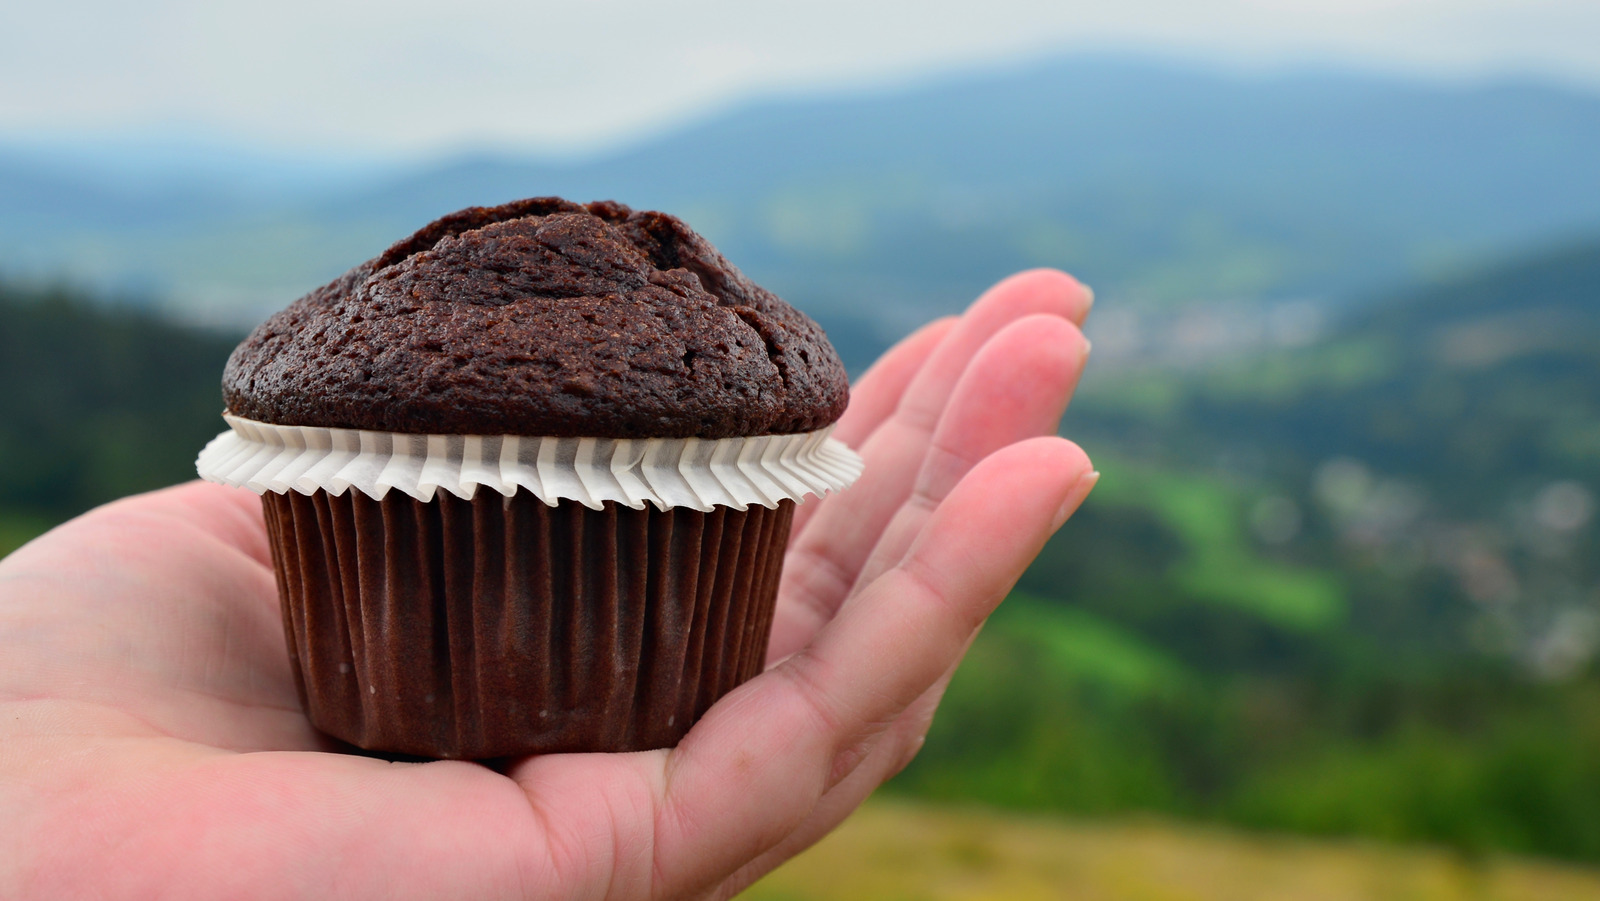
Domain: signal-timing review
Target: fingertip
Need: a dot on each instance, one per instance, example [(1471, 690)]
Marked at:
[(1015, 387), (912, 349), (1069, 466), (1076, 495), (1021, 487), (1061, 338), (879, 390), (1037, 354), (1054, 454), (936, 328), (1043, 290), (1060, 470)]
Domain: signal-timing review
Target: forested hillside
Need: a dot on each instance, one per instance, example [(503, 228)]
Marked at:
[(97, 402)]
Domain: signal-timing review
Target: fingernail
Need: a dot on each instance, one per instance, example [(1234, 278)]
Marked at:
[(1089, 291), (1075, 496), (1088, 347)]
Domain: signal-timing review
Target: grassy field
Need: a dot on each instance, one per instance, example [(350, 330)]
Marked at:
[(895, 851)]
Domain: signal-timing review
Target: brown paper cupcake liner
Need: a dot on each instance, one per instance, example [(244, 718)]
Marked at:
[(502, 625)]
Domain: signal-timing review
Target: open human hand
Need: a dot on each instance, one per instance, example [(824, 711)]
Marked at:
[(152, 745)]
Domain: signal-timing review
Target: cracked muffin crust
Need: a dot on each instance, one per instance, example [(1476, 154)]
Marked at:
[(543, 317)]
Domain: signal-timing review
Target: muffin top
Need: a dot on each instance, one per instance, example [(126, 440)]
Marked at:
[(542, 317)]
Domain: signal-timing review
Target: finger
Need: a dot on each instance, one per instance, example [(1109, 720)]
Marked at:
[(162, 818), (884, 756), (878, 392), (1078, 297), (1037, 292), (841, 533), (1015, 388), (749, 774), (875, 395), (232, 515), (186, 631)]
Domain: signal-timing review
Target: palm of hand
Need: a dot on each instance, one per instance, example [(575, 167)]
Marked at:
[(151, 743)]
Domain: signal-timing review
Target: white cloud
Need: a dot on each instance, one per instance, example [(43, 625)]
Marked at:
[(415, 75)]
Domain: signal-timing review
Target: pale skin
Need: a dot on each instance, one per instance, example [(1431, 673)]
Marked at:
[(152, 746)]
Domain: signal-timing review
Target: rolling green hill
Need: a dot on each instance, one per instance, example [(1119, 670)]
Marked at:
[(1352, 587)]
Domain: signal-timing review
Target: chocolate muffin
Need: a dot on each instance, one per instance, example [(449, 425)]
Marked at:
[(543, 317), (528, 477)]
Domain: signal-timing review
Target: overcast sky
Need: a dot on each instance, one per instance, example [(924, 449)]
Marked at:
[(432, 75)]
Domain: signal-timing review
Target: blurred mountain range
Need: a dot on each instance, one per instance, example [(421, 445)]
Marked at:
[(1157, 183)]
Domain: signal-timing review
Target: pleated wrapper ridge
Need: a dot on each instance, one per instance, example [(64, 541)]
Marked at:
[(699, 474), (601, 596)]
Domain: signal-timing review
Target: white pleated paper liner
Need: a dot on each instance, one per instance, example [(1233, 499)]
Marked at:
[(668, 472)]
